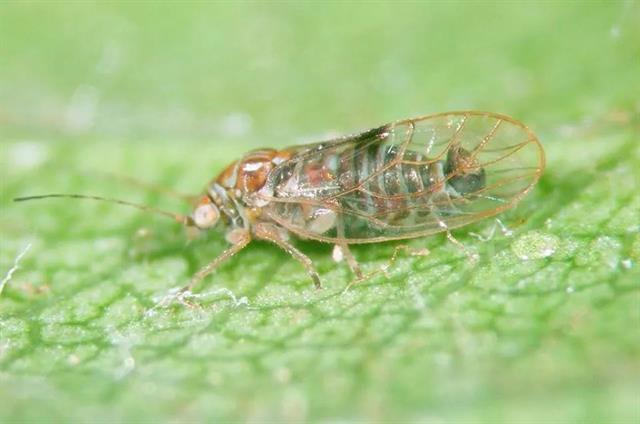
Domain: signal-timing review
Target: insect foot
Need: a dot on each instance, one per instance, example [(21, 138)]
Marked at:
[(384, 269), (175, 295), (186, 298)]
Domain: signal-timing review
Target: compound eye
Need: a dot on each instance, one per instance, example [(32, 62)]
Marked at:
[(206, 216)]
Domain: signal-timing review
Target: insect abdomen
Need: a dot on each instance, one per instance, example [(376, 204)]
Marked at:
[(405, 179), (386, 180), (369, 177)]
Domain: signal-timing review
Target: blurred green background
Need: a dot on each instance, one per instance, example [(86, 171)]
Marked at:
[(172, 92)]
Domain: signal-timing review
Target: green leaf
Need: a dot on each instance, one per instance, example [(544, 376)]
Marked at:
[(544, 328)]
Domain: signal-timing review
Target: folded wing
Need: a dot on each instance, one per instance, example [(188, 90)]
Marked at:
[(397, 181)]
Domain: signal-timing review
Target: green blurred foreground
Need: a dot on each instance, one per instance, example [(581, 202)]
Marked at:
[(543, 329)]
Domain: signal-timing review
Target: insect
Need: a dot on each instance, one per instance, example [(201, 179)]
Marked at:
[(406, 179)]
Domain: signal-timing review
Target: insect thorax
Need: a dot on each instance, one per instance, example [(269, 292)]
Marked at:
[(232, 189)]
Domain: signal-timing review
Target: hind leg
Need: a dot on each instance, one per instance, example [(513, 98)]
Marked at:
[(385, 268), (471, 256), (439, 200)]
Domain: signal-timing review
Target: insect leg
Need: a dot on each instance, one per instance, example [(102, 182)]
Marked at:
[(473, 257), (240, 241), (385, 268), (346, 252), (409, 251), (503, 228), (351, 260), (273, 234), (444, 198)]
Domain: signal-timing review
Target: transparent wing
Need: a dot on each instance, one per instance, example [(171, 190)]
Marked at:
[(399, 180)]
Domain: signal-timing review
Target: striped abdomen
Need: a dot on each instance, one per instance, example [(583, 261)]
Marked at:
[(387, 181), (368, 177)]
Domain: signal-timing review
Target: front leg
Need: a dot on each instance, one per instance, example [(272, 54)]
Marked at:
[(239, 239), (274, 234)]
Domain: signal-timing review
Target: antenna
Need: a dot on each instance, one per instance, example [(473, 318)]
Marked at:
[(145, 186), (183, 219)]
